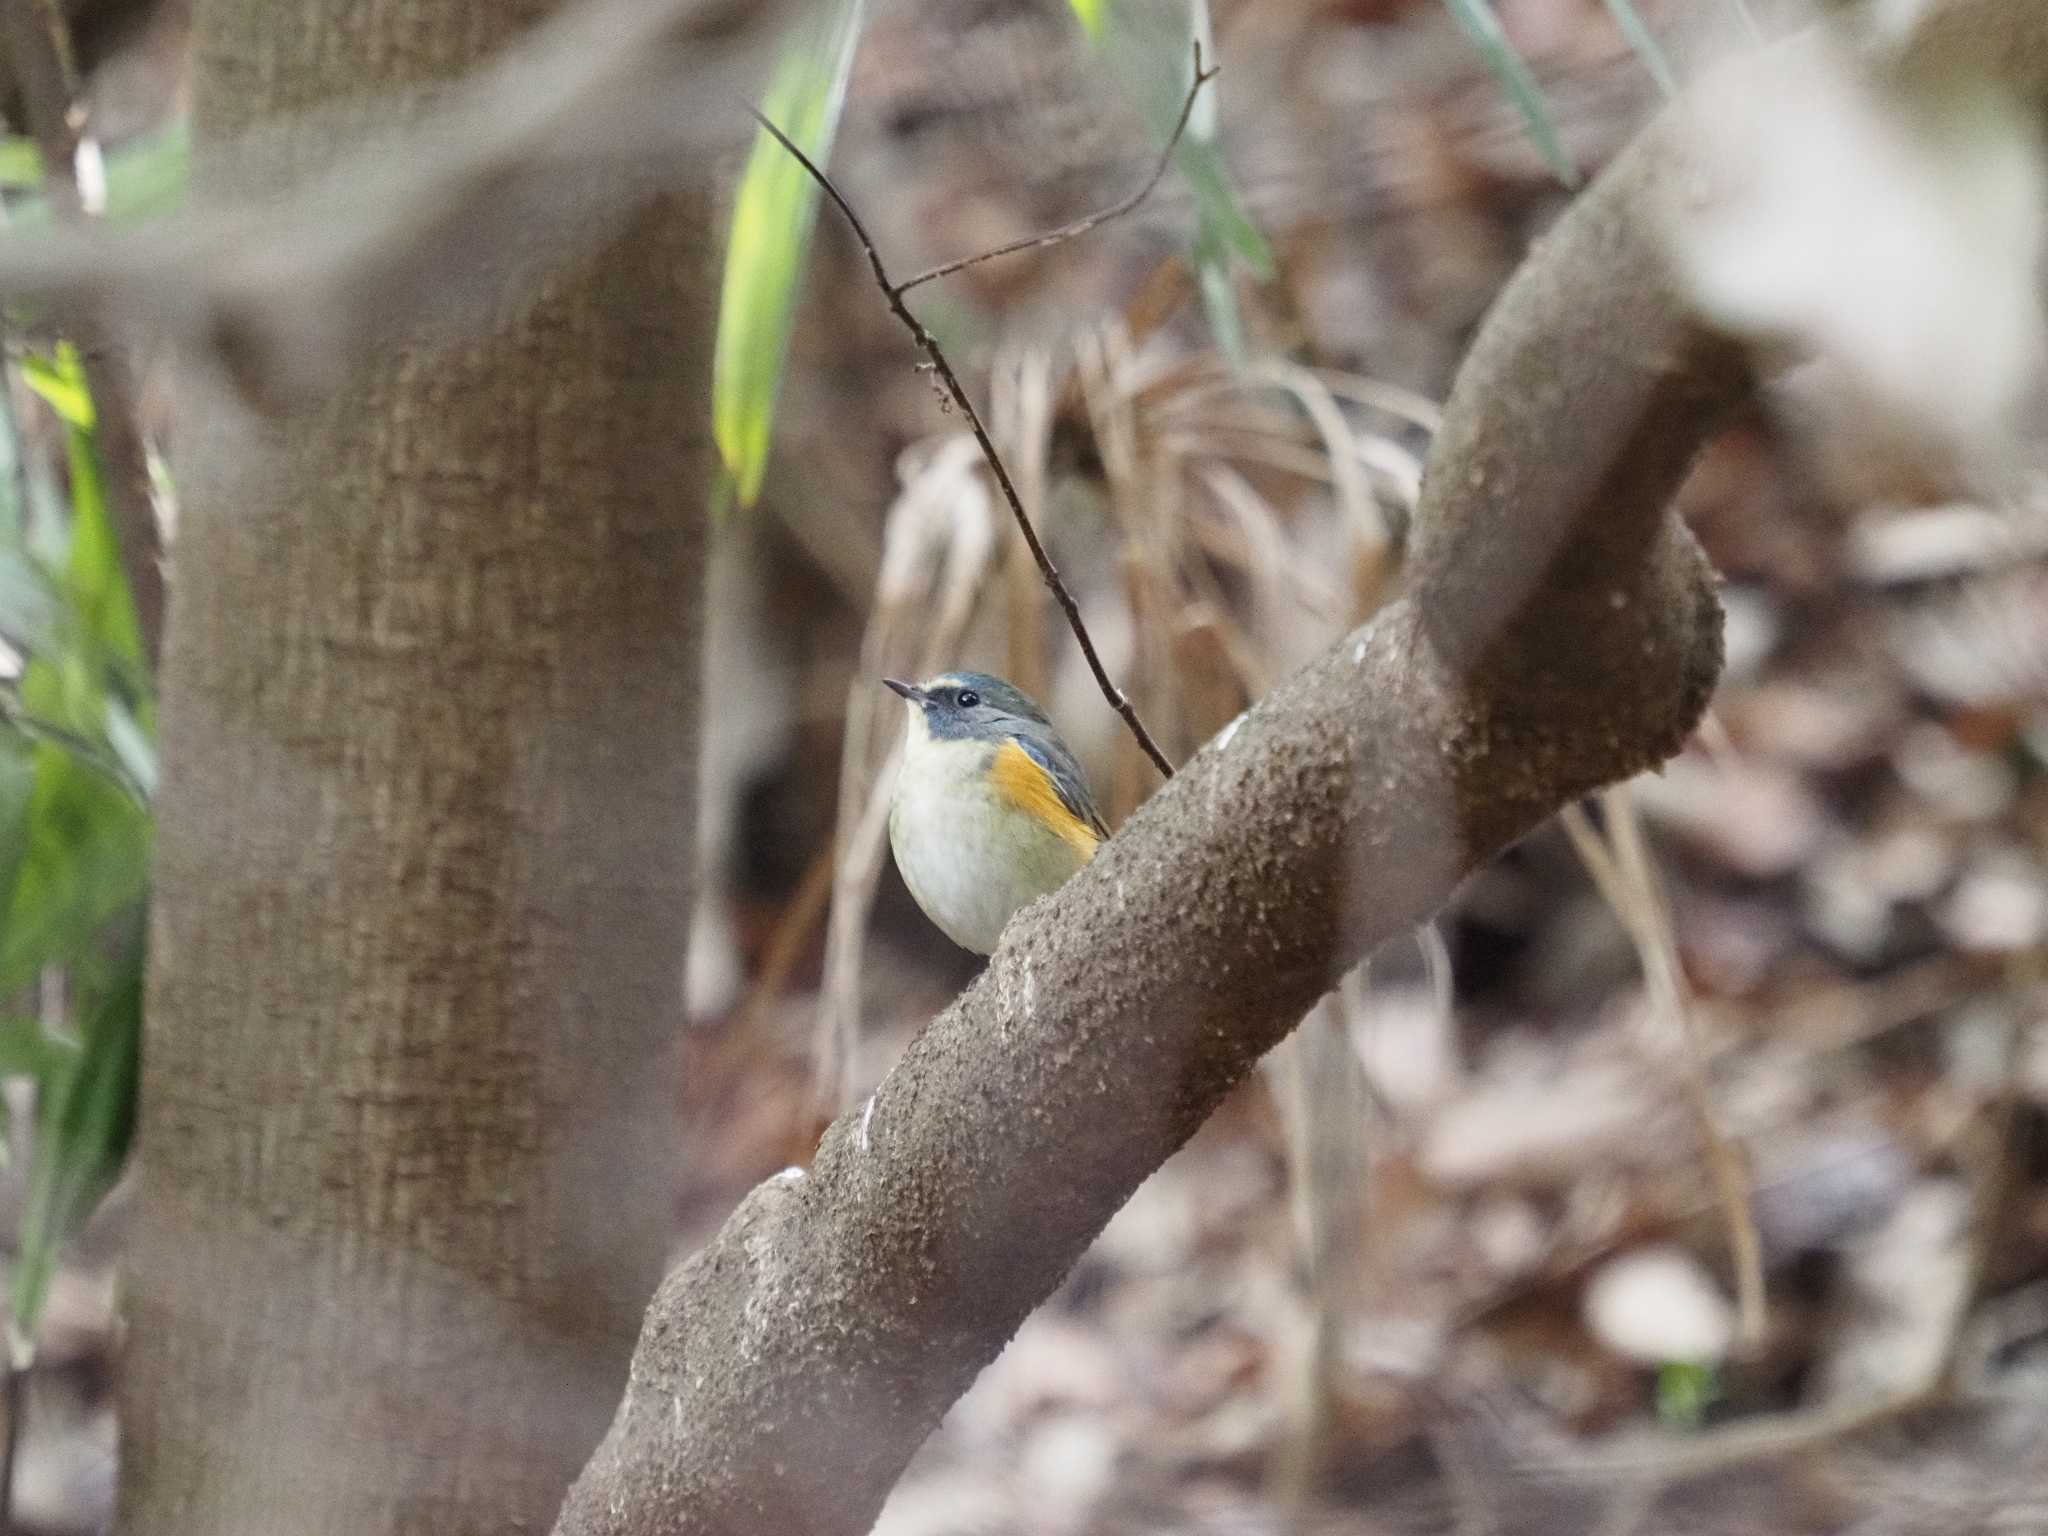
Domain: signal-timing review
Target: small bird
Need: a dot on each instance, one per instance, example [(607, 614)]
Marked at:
[(991, 811)]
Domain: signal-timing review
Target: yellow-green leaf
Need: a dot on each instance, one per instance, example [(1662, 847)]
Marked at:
[(773, 214), (60, 380), (1092, 14)]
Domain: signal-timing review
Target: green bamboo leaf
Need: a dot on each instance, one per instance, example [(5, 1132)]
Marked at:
[(104, 643), (1483, 27), (60, 380), (96, 584), (774, 212), (1644, 41), (85, 1124)]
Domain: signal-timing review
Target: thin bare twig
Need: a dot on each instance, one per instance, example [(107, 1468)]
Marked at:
[(944, 369), (40, 51), (1086, 222)]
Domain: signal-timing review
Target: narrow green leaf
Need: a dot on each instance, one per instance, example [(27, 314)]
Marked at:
[(774, 212), (1092, 14), (85, 1124), (96, 583), (60, 380), (92, 585), (1644, 41), (1483, 27)]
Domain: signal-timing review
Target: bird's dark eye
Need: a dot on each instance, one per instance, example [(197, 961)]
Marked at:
[(969, 698)]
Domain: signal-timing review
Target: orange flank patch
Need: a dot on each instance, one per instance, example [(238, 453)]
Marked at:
[(1019, 780)]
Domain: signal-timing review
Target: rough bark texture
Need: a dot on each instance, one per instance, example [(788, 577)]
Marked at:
[(422, 880), (1561, 633)]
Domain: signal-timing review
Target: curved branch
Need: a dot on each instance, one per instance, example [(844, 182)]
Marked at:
[(1562, 634)]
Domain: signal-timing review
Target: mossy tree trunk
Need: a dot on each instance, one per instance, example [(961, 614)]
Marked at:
[(422, 877)]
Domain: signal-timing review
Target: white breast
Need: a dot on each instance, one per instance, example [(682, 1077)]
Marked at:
[(969, 859)]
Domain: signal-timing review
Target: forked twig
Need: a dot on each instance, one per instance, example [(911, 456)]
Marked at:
[(1086, 222), (894, 293)]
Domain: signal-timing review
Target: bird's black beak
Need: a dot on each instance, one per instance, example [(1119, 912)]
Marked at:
[(909, 691)]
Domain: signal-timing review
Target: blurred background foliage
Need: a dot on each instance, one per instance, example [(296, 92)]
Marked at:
[(77, 770)]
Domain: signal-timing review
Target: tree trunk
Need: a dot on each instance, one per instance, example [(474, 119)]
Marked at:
[(422, 879)]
